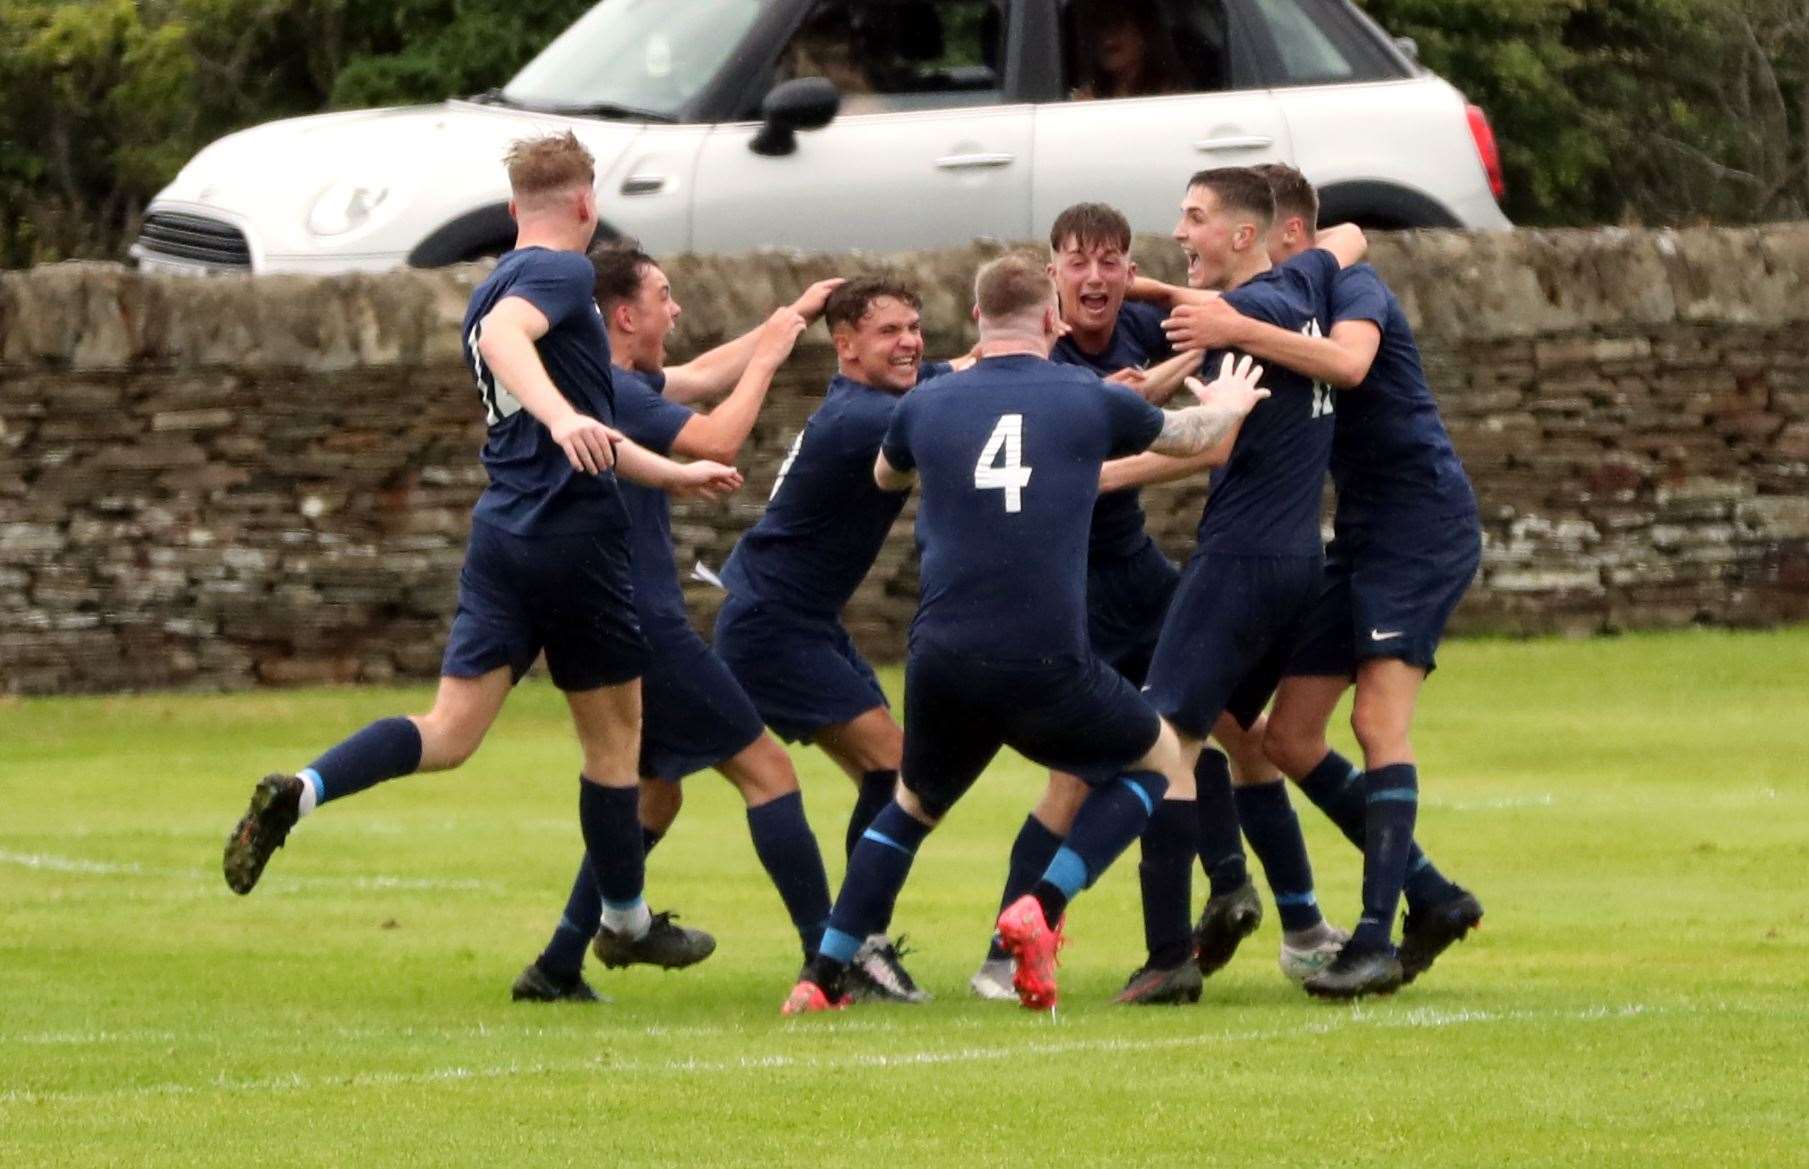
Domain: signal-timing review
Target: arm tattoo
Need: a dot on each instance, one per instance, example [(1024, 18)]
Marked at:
[(1195, 429)]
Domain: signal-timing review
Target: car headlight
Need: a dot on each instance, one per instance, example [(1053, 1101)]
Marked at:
[(344, 206)]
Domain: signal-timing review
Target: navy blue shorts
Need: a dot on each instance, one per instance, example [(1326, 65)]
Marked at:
[(1231, 630), (802, 674), (1077, 716), (1387, 593), (1126, 602), (693, 713), (567, 595)]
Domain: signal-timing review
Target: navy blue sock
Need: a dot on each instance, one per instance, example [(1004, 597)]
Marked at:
[(875, 792), (788, 851), (1336, 787), (1165, 876), (1392, 794), (876, 872), (1274, 832), (1112, 816), (649, 838), (388, 748), (1215, 811), (563, 957), (610, 818), (1031, 853)]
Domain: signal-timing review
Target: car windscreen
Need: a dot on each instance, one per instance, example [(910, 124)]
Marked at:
[(629, 57)]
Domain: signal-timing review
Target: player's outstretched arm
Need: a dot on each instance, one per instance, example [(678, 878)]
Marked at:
[(891, 478), (1147, 469), (1223, 404), (711, 374), (718, 435), (1153, 291), (506, 343), (700, 480), (1341, 360), (1345, 241), (1157, 385)]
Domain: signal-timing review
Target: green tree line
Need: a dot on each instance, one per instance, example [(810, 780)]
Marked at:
[(1608, 111)]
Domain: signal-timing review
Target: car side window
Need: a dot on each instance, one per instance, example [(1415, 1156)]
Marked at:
[(888, 56), (1307, 54), (1144, 48)]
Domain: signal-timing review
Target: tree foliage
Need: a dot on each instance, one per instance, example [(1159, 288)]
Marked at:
[(1657, 111)]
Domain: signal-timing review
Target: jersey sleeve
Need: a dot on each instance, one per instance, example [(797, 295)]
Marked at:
[(559, 284), (1133, 422), (897, 443), (1144, 323), (1316, 270), (1358, 294), (645, 415), (932, 369)]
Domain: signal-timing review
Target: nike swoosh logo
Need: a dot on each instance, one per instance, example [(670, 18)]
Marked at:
[(1378, 635)]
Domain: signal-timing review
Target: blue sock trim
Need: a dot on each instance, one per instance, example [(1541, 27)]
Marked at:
[(1296, 899), (838, 946), (1149, 805), (314, 781), (1067, 871), (1422, 864), (1397, 795), (567, 925), (622, 906), (878, 837), (1355, 776)]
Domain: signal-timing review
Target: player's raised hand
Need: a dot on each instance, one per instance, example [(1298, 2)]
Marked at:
[(589, 444), (1235, 388), (1213, 324), (706, 480), (777, 336), (810, 302)]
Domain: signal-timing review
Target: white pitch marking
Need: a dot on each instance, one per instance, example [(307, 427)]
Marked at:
[(1423, 1017), (51, 863)]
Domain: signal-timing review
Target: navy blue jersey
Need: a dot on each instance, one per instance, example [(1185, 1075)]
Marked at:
[(1007, 455), (1391, 457), (1265, 500), (826, 520), (1137, 341), (534, 490), (648, 418)]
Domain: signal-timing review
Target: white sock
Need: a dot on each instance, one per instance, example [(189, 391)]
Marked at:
[(631, 922), (310, 795)]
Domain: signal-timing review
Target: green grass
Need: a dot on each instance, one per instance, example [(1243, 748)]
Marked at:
[(1634, 812)]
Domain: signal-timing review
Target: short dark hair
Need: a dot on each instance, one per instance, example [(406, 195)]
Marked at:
[(853, 300), (1091, 225), (1239, 188), (1011, 284), (1293, 194), (620, 266)]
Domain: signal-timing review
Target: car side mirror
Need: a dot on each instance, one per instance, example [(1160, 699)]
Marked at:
[(1409, 48), (804, 103)]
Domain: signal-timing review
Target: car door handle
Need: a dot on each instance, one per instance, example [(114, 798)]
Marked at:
[(1233, 142), (644, 184), (973, 161)]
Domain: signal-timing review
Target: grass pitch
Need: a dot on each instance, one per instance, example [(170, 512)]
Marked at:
[(1633, 812)]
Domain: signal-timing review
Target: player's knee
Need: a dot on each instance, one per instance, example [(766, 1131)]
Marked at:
[(1379, 731), (1285, 745), (761, 773), (447, 741)]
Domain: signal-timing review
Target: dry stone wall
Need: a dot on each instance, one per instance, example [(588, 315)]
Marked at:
[(237, 481)]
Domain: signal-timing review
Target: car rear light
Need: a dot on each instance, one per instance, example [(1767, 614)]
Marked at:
[(1486, 150)]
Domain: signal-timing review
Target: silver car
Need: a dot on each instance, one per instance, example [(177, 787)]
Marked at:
[(727, 125)]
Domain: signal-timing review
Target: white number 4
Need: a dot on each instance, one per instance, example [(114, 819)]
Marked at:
[(1001, 466)]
